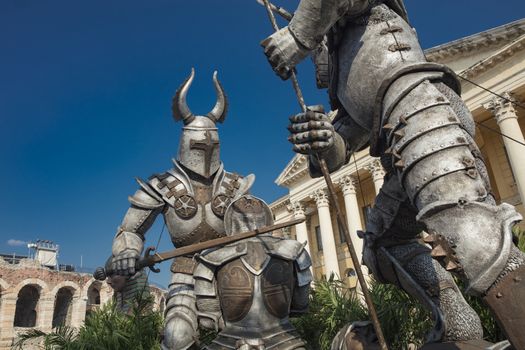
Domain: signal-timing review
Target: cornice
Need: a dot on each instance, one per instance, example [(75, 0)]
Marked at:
[(296, 168), (282, 202), (498, 57), (489, 38)]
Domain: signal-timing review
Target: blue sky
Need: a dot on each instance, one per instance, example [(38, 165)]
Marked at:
[(85, 93)]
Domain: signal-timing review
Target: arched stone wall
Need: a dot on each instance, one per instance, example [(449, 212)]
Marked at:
[(68, 305), (93, 293), (63, 308), (27, 306), (7, 306)]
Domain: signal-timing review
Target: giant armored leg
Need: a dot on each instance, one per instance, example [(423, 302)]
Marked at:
[(180, 330), (395, 257), (429, 132)]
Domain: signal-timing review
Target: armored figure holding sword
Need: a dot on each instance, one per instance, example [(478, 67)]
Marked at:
[(193, 197), (410, 113)]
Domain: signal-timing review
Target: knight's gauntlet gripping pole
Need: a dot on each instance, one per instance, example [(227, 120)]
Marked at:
[(333, 200)]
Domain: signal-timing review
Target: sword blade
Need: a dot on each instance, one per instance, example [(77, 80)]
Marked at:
[(150, 260)]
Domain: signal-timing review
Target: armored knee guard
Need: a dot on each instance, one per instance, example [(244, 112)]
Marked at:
[(430, 139), (180, 330)]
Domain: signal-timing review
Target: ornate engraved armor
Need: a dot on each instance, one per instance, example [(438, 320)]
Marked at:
[(410, 113), (248, 289), (192, 196)]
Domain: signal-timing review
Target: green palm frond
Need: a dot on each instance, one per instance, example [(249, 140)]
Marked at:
[(106, 328)]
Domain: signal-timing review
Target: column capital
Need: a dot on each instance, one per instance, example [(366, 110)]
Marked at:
[(348, 184), (502, 108), (297, 208), (376, 169), (321, 197), (286, 231)]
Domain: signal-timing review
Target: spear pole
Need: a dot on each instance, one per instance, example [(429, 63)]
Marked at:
[(333, 199)]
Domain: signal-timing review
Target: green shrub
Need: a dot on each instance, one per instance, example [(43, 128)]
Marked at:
[(106, 328)]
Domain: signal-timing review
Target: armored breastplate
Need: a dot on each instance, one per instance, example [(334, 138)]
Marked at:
[(256, 289), (195, 208)]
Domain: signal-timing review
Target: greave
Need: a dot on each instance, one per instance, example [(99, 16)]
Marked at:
[(454, 319), (180, 331)]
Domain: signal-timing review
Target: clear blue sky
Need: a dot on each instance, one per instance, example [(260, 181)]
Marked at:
[(85, 93)]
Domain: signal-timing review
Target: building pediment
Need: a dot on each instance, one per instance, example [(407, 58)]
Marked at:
[(296, 168), (463, 53)]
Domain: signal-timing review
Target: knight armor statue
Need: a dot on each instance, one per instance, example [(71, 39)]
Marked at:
[(193, 197), (247, 290), (411, 115)]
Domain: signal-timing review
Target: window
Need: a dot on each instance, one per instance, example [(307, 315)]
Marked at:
[(350, 273), (318, 238)]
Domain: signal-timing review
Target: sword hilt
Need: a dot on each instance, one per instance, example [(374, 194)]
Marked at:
[(148, 260)]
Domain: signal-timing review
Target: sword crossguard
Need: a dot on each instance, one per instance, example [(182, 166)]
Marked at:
[(147, 256)]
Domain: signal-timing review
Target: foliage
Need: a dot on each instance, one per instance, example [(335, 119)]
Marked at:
[(332, 305), (107, 328), (519, 235)]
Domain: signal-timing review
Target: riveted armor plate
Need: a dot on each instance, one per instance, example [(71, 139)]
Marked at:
[(203, 232), (277, 284), (219, 204), (235, 284), (185, 206), (183, 264)]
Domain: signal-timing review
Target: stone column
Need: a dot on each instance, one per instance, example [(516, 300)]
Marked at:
[(7, 318), (378, 174), (507, 119), (331, 264), (300, 229), (46, 308), (78, 313), (353, 213)]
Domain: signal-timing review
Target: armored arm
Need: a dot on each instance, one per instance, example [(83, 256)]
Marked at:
[(303, 278), (129, 240), (314, 18)]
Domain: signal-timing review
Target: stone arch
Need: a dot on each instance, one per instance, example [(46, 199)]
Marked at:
[(27, 306), (65, 293), (93, 293), (34, 281), (93, 297), (63, 307)]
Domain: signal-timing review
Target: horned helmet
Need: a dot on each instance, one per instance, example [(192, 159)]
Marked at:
[(199, 142)]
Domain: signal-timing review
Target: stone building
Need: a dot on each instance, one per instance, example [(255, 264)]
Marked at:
[(35, 296), (492, 60)]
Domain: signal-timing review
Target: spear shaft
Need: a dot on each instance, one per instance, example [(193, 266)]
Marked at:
[(333, 199)]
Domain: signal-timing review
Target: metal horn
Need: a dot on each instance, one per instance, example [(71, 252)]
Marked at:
[(179, 106), (218, 113)]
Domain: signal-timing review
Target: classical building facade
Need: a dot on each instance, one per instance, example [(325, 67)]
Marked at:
[(35, 296), (491, 67)]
